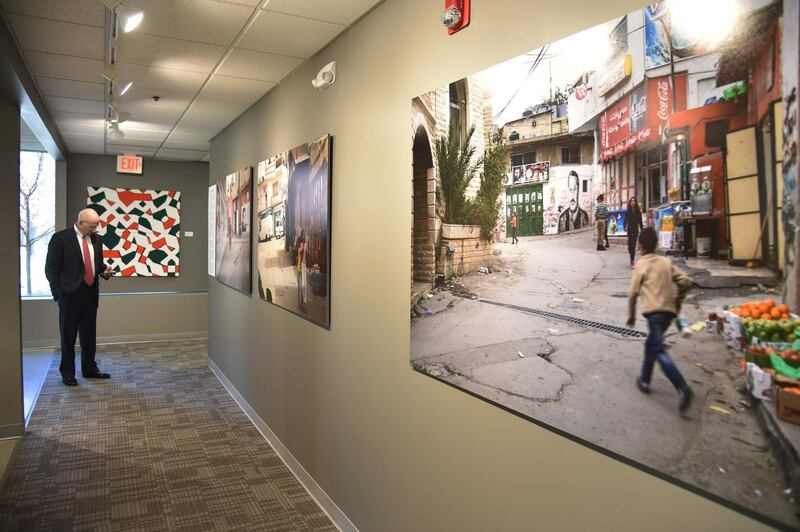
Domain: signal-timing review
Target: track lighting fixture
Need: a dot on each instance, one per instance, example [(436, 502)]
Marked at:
[(115, 134), (129, 18)]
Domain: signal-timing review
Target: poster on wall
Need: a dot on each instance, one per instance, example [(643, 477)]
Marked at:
[(212, 230), (140, 230), (293, 222), (232, 230), (530, 315)]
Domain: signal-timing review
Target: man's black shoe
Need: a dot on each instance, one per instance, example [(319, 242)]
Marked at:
[(97, 375), (69, 381)]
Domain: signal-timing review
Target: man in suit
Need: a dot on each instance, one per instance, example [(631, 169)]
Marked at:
[(73, 267)]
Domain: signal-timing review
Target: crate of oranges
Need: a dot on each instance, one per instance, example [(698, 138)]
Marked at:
[(763, 310)]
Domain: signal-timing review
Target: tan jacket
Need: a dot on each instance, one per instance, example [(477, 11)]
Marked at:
[(654, 279)]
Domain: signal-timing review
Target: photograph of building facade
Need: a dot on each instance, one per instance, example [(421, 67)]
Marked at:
[(652, 106), (293, 213), (233, 246)]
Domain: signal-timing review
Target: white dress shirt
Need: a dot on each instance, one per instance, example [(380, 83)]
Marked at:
[(89, 244)]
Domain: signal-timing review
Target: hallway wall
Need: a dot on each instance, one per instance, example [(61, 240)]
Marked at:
[(394, 449), (11, 416), (138, 308)]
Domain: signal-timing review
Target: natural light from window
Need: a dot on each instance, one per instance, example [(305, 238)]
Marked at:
[(37, 219)]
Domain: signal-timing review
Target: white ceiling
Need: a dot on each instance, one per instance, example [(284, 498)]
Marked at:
[(207, 60)]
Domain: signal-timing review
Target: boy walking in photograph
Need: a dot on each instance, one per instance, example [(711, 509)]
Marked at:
[(654, 280)]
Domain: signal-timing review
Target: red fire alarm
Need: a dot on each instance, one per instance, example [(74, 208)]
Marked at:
[(456, 15)]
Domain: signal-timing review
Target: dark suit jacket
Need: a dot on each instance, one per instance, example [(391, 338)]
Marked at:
[(64, 264)]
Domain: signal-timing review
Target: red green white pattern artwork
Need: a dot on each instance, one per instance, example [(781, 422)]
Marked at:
[(140, 230)]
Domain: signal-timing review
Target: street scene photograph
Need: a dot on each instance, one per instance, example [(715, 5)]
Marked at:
[(233, 245), (598, 244), (293, 221)]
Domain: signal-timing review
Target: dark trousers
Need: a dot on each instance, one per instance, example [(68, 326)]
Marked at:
[(633, 237), (657, 323), (77, 315), (514, 238)]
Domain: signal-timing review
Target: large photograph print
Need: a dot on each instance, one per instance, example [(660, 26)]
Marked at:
[(532, 181), (233, 245), (293, 222)]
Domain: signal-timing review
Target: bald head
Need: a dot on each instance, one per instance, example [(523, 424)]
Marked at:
[(88, 220)]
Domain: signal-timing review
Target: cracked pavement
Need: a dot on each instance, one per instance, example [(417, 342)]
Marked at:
[(580, 380)]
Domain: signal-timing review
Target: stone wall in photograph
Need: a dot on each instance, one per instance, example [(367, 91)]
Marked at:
[(462, 250)]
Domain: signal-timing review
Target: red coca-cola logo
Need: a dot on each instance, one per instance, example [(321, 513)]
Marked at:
[(663, 99)]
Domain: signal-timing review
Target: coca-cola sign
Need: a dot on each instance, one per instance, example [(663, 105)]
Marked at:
[(640, 116)]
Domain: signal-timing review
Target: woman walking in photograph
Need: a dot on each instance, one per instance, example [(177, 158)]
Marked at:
[(633, 224)]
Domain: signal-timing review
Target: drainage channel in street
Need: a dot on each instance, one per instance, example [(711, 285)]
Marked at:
[(623, 331)]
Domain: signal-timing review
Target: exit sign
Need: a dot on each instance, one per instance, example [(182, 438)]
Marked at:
[(129, 164)]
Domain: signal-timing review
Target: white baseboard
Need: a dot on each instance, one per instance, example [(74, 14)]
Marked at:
[(335, 514), (124, 339)]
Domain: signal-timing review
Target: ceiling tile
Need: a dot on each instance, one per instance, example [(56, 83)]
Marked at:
[(120, 149), (194, 20), (191, 137), (70, 89), (258, 65), (161, 114), (208, 111), (84, 143), (65, 67), (288, 35), (343, 12), (70, 105), (252, 3), (159, 81), (247, 90), (58, 37), (87, 12), (77, 125), (168, 53), (180, 155)]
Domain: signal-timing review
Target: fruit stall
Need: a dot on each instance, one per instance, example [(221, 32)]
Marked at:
[(767, 335)]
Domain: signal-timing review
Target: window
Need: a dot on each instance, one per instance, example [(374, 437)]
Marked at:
[(458, 108), (523, 158), (585, 188), (37, 219), (571, 154)]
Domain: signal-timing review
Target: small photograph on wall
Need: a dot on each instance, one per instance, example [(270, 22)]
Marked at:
[(552, 191), (293, 222), (233, 246), (140, 230)]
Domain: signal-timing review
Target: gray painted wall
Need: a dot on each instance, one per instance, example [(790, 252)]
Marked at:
[(123, 318), (190, 178), (396, 450), (11, 416)]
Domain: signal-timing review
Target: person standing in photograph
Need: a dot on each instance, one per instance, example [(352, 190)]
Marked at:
[(514, 238), (73, 266), (600, 218), (299, 252), (633, 224), (654, 280)]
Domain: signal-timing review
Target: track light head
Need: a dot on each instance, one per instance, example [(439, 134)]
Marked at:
[(130, 21), (115, 134), (126, 86)]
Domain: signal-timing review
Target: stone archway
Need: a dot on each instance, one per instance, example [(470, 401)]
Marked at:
[(423, 235)]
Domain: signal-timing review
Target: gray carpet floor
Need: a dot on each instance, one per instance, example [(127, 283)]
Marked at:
[(159, 446)]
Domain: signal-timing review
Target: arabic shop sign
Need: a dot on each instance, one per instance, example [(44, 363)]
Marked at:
[(637, 117)]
